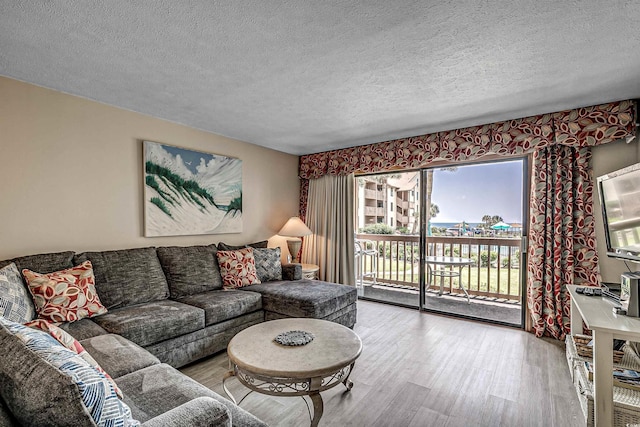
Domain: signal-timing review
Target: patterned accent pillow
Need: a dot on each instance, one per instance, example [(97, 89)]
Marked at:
[(15, 301), (72, 344), (98, 396), (65, 296), (268, 264), (237, 268)]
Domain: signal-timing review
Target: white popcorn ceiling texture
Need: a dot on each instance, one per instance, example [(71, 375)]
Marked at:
[(309, 76)]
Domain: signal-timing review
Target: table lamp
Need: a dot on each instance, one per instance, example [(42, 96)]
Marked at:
[(294, 228)]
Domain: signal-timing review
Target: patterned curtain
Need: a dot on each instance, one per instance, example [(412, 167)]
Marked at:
[(562, 236), (582, 127), (562, 246)]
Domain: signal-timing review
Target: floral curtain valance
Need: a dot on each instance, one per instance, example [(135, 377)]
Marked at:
[(581, 127)]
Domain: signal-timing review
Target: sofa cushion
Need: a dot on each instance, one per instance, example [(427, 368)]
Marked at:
[(66, 295), (117, 355), (44, 383), (190, 270), (152, 391), (45, 263), (224, 247), (72, 344), (219, 306), (238, 268), (291, 271), (346, 316), (268, 264), (152, 322), (204, 342), (15, 300), (127, 277), (198, 412), (6, 419), (305, 298), (82, 329)]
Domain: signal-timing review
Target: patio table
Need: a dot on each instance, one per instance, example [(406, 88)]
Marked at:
[(451, 263)]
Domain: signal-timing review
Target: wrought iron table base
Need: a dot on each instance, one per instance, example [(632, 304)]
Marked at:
[(311, 386)]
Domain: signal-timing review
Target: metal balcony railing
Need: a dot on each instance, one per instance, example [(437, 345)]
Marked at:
[(495, 273)]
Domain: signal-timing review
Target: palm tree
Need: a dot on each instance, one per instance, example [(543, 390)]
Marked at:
[(434, 211), (489, 220), (427, 200), (430, 190)]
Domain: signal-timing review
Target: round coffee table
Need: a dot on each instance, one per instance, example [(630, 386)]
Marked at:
[(265, 366)]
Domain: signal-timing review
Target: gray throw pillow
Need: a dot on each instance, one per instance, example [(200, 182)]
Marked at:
[(224, 247), (268, 264), (15, 300)]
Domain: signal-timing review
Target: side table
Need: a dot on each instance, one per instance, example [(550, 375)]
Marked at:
[(310, 271)]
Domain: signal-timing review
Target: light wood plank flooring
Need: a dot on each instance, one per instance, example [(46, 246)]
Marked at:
[(419, 369)]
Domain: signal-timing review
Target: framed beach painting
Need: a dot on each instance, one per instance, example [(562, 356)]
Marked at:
[(189, 192)]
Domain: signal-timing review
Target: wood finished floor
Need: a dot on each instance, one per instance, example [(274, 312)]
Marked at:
[(419, 369)]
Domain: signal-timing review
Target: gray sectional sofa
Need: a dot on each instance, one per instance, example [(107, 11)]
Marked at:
[(167, 308)]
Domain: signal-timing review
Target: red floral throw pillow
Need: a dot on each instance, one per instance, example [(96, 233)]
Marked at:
[(237, 268), (65, 296), (72, 344)]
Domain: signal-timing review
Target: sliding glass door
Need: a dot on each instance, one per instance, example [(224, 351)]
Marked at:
[(447, 240), (387, 240), (473, 240)]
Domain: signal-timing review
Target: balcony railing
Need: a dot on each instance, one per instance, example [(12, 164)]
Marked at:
[(495, 274), (370, 194), (373, 211)]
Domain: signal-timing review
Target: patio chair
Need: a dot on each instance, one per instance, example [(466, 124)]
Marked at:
[(366, 250)]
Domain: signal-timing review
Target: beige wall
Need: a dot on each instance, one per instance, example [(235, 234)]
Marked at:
[(607, 158), (71, 175)]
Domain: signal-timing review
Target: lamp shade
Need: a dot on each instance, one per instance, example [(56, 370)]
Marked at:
[(294, 228)]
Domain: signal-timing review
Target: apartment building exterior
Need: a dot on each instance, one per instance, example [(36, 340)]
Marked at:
[(392, 200)]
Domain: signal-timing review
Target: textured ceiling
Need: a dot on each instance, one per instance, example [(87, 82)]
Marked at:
[(308, 76)]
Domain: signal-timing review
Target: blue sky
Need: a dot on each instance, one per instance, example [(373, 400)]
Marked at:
[(190, 158), (470, 192)]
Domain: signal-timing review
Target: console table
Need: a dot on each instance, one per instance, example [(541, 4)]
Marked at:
[(597, 313)]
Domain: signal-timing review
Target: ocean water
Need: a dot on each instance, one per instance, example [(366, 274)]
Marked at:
[(453, 224), (504, 250)]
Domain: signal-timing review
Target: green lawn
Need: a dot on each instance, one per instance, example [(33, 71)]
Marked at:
[(488, 279)]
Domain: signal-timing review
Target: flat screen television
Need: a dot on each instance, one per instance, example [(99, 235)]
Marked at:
[(620, 200)]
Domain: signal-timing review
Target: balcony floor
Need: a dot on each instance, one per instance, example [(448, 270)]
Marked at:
[(502, 311)]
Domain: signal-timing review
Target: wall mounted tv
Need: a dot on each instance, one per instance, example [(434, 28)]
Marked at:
[(620, 199)]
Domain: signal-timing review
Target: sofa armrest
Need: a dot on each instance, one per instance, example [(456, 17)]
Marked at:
[(291, 271), (199, 412)]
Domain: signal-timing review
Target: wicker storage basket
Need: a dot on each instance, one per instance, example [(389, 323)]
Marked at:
[(626, 402), (586, 351)]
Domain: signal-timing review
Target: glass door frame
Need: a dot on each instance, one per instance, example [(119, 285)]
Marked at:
[(423, 237), (526, 188)]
